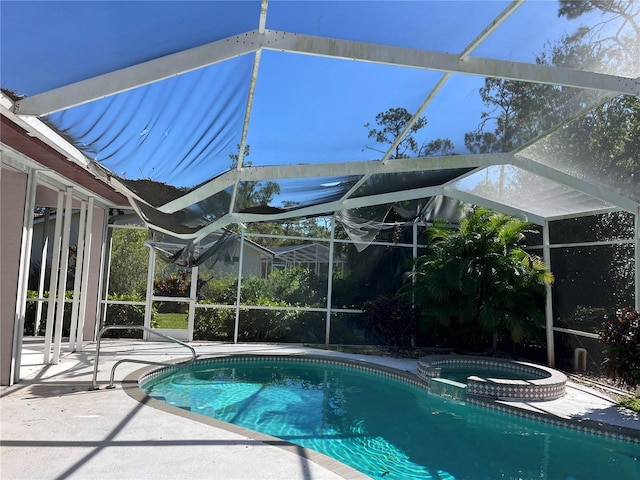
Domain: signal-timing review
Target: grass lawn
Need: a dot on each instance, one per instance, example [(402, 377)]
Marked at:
[(172, 320)]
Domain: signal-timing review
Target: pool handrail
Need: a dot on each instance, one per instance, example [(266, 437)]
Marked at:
[(94, 382)]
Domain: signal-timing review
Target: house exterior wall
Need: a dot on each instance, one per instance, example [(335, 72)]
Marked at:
[(12, 203), (251, 262)]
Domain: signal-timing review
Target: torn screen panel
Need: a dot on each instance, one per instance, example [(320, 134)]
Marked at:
[(178, 131)]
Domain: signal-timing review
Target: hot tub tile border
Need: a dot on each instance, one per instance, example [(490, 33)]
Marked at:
[(546, 388)]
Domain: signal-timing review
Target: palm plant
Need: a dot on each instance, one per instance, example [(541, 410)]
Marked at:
[(477, 280)]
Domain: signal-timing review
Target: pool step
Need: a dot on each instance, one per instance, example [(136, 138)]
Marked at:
[(448, 388)]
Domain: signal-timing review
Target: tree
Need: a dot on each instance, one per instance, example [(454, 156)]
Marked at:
[(391, 125), (617, 34), (129, 261), (477, 279), (518, 111)]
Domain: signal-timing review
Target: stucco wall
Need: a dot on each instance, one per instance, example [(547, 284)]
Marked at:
[(12, 200)]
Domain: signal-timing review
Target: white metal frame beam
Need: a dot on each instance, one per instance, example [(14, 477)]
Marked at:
[(138, 75), (199, 57), (338, 169), (314, 210), (446, 62)]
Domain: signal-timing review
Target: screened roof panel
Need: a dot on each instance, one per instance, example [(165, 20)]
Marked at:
[(186, 105), (397, 182), (179, 131), (455, 110), (525, 191), (294, 192), (311, 109), (522, 44), (541, 108), (619, 52), (589, 150)]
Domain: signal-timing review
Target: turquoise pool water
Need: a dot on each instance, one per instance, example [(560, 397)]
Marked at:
[(388, 428), (460, 374)]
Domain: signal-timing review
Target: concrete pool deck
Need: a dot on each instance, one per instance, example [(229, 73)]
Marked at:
[(53, 427)]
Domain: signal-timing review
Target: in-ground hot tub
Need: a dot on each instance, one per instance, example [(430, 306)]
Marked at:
[(488, 377)]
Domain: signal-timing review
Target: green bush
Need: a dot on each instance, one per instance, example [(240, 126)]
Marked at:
[(172, 286), (118, 314), (621, 336), (291, 287), (221, 290), (476, 284), (266, 325), (215, 324), (31, 310), (295, 286)]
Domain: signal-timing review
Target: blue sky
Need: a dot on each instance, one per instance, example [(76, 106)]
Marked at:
[(306, 109)]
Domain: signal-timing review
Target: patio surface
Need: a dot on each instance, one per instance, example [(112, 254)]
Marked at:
[(53, 427)]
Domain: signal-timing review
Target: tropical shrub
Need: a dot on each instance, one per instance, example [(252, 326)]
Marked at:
[(294, 286), (621, 336), (476, 282)]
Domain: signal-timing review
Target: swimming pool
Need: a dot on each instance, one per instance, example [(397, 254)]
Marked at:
[(386, 425)]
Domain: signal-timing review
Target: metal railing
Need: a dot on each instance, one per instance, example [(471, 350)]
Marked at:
[(94, 383)]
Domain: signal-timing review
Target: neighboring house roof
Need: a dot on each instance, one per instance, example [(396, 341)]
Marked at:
[(308, 253)]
